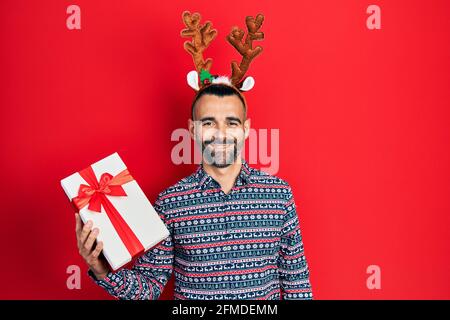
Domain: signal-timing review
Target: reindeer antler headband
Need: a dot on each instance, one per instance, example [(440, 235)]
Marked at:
[(202, 36)]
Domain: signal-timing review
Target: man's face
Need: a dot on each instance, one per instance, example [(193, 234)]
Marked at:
[(220, 128)]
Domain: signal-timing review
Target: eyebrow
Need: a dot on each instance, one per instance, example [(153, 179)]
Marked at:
[(234, 119), (214, 119), (208, 119)]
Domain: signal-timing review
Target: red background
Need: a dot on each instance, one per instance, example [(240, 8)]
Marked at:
[(363, 118)]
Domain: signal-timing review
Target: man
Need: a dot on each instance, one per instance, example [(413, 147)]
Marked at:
[(234, 230)]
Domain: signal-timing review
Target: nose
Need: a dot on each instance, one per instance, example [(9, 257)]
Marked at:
[(221, 133)]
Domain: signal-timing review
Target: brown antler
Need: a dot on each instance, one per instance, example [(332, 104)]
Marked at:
[(245, 49), (202, 35)]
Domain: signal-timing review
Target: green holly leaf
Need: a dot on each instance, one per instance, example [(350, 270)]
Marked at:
[(204, 74)]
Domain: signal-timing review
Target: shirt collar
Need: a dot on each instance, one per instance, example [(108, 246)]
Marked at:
[(204, 179)]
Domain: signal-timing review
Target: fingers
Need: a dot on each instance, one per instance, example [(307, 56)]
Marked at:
[(98, 249), (86, 239), (85, 232), (90, 241), (77, 224)]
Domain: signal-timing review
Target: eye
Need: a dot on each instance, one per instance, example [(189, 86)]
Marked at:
[(207, 123), (233, 123)]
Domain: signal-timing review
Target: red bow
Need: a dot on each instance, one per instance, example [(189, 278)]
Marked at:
[(95, 193), (108, 185)]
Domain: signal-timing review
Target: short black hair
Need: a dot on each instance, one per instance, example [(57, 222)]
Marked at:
[(219, 90)]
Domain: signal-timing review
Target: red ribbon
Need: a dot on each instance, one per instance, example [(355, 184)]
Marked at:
[(95, 193)]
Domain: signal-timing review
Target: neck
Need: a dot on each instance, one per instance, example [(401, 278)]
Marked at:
[(226, 177)]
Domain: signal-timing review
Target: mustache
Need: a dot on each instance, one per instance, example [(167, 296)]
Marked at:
[(220, 141)]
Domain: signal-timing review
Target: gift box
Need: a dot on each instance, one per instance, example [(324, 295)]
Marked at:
[(107, 194)]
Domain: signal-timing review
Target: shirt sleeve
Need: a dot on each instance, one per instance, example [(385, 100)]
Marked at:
[(292, 264), (149, 274)]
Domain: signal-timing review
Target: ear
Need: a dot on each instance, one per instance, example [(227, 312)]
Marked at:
[(247, 123), (192, 80), (248, 84), (191, 128)]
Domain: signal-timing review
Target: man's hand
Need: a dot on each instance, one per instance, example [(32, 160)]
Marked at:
[(85, 240)]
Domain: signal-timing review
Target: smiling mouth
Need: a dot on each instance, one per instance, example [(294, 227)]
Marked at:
[(221, 145)]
